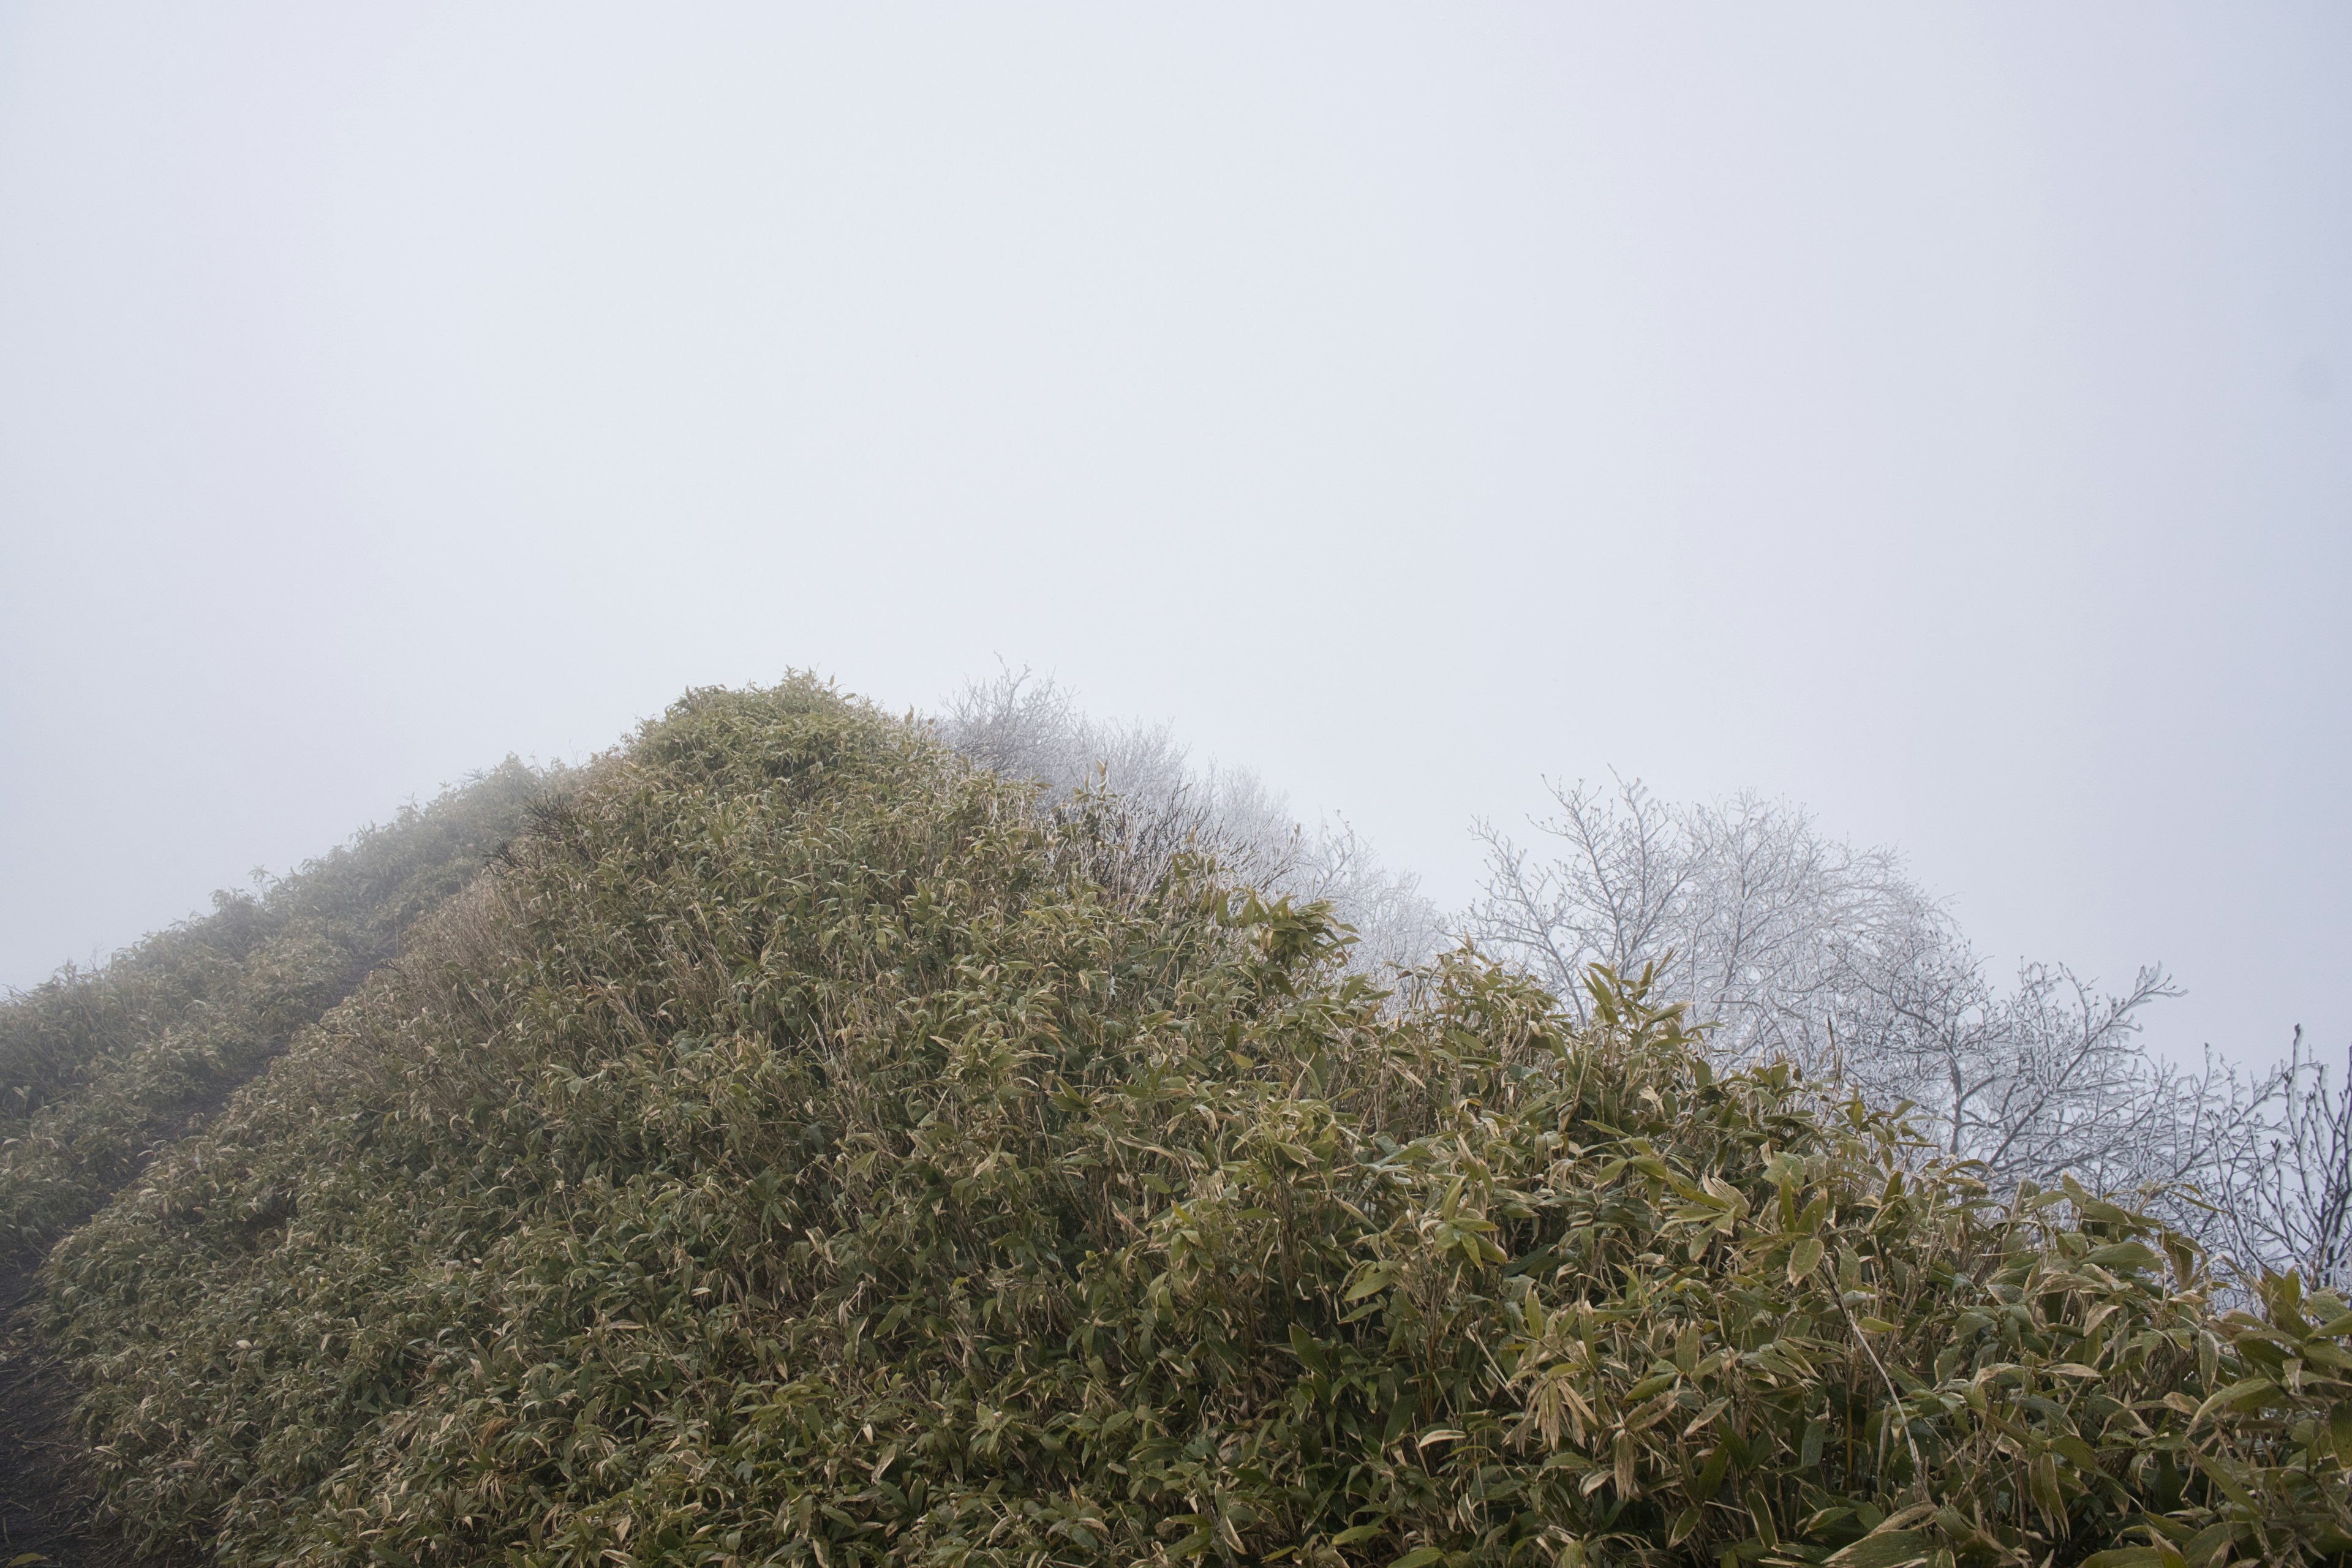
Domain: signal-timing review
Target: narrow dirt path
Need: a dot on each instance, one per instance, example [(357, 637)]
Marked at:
[(42, 1509), (46, 1498)]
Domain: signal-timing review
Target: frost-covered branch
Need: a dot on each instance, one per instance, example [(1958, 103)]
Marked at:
[(1027, 728)]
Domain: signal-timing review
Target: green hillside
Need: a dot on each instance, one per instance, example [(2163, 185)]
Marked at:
[(99, 1066), (798, 1149)]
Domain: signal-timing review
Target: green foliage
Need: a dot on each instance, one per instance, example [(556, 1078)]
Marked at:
[(98, 1067), (799, 1151)]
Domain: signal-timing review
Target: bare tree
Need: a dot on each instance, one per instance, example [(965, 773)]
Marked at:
[(1749, 913), (2045, 1079), (1609, 897), (1395, 923), (1026, 728), (1796, 945), (2279, 1178)]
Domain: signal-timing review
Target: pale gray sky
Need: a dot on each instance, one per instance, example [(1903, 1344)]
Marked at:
[(1941, 416)]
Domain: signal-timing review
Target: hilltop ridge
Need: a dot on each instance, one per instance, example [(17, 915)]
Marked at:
[(801, 1144)]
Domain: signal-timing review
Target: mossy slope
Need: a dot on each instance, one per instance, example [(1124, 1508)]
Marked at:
[(800, 1152)]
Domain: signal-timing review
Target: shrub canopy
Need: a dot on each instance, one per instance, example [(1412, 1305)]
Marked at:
[(801, 1151)]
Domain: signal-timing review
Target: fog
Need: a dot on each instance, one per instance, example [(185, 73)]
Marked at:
[(1939, 416)]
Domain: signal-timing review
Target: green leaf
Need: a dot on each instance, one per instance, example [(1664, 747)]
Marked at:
[(2254, 1388), (1887, 1549), (1418, 1557), (2125, 1254), (2042, 1480), (1804, 1258), (1809, 1451), (2221, 1477)]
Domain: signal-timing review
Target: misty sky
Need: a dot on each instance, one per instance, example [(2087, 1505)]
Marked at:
[(1940, 415)]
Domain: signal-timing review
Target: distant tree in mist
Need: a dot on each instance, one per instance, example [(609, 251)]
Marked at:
[(1795, 945), (1746, 911), (1024, 727), (2279, 1175)]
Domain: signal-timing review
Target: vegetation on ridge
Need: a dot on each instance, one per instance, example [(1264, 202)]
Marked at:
[(99, 1066), (799, 1150)]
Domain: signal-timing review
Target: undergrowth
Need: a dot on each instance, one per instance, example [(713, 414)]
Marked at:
[(97, 1066), (801, 1151)]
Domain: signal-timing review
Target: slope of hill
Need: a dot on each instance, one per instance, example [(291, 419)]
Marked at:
[(99, 1066), (798, 1149)]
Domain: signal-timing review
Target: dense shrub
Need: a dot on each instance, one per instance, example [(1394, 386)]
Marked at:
[(801, 1151), (97, 1066)]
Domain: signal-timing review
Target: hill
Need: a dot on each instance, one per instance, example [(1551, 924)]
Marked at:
[(101, 1067), (798, 1147)]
